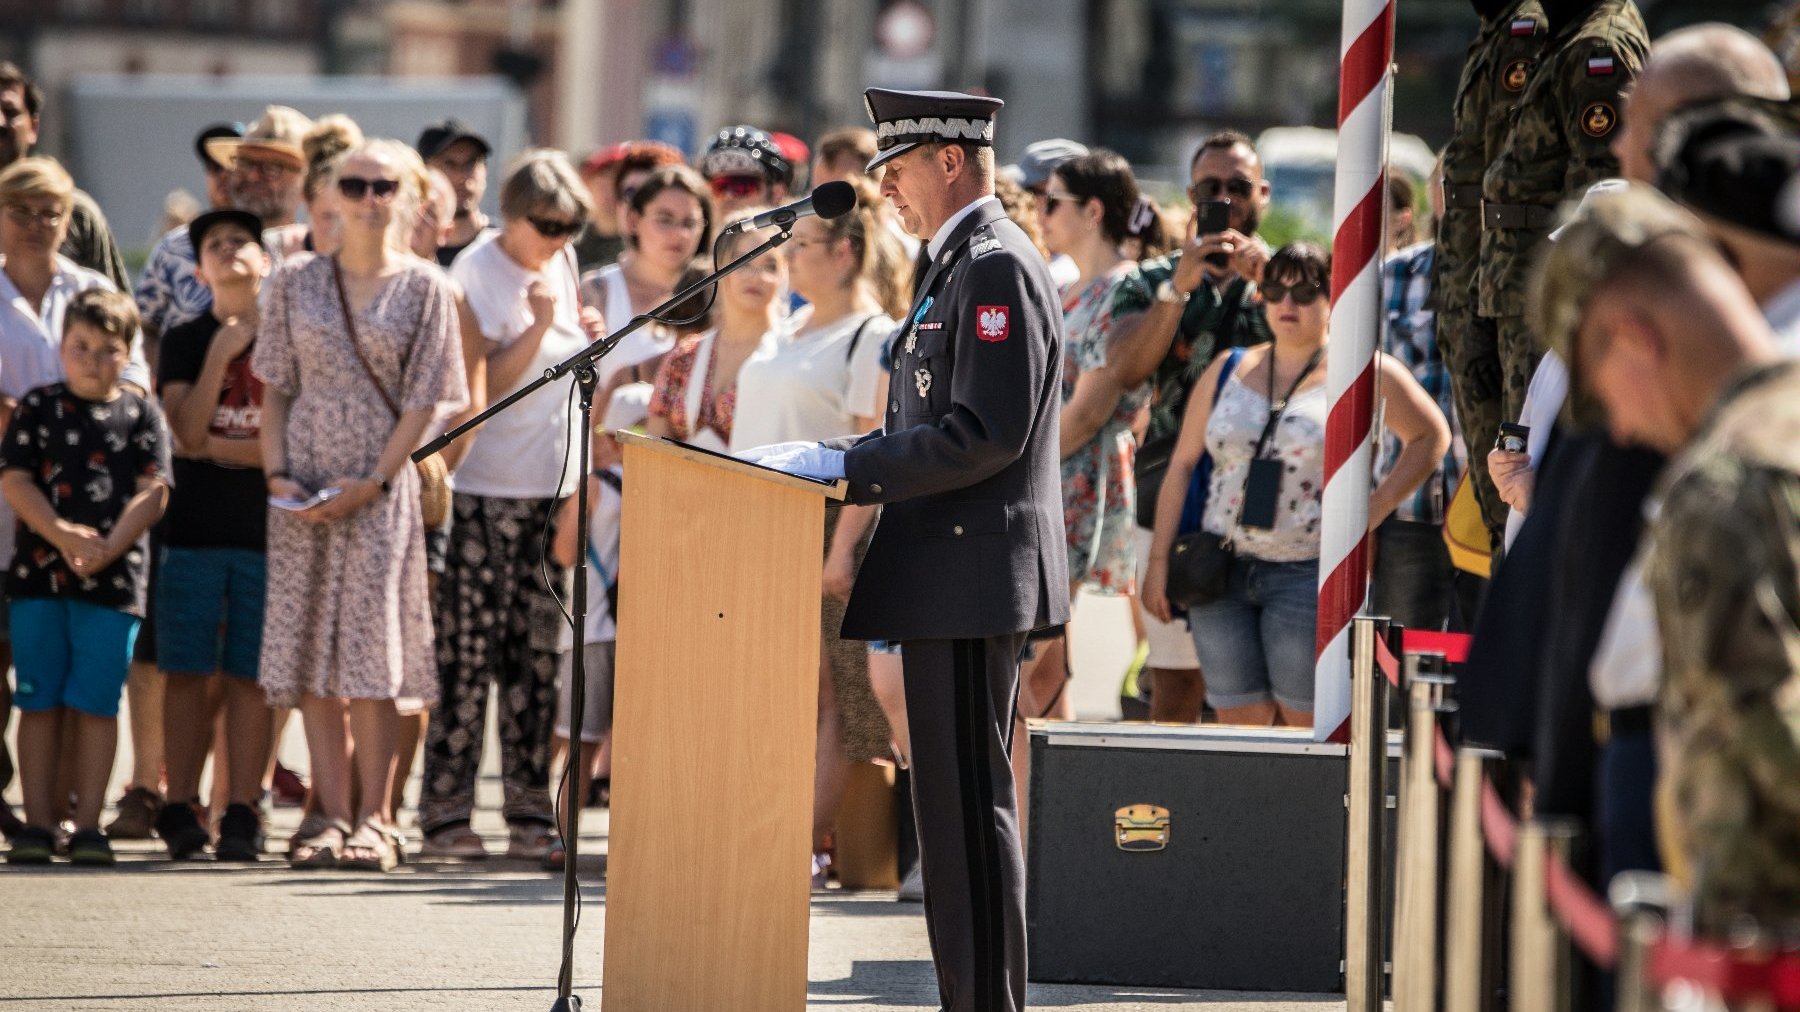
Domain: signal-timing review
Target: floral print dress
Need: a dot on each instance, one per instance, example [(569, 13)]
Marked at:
[(1099, 492)]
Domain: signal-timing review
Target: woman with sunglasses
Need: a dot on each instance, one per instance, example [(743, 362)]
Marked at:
[(1266, 435), (498, 619), (358, 354), (668, 221), (1088, 207)]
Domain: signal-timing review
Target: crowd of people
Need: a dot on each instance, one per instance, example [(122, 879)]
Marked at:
[(216, 518)]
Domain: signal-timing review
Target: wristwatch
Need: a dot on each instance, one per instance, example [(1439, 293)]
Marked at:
[(1167, 292), (383, 482)]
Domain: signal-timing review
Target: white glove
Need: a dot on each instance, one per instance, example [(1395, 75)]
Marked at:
[(758, 454), (809, 460)]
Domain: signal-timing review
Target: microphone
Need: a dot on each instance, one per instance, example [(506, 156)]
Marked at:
[(830, 200)]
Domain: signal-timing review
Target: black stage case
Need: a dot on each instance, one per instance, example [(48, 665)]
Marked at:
[(1244, 888)]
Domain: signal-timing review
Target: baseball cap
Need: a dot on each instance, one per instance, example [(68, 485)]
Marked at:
[(1609, 229), (745, 150), (613, 154), (277, 132), (234, 131), (205, 223), (438, 136), (1040, 159), (1730, 160)]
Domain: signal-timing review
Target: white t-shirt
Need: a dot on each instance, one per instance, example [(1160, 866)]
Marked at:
[(1543, 402), (642, 344), (525, 451), (811, 384)]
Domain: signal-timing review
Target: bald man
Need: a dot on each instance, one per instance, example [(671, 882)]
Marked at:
[(1688, 65)]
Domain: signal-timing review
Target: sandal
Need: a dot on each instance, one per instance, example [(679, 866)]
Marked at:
[(456, 841), (396, 840), (30, 845), (367, 849), (312, 825), (320, 850), (529, 840)]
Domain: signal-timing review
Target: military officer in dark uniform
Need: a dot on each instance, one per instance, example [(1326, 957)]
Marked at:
[(968, 556)]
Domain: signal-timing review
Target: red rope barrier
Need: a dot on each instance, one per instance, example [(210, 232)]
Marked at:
[(1453, 646), (1587, 919), (1732, 975)]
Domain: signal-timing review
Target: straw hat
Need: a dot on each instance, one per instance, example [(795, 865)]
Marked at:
[(276, 133)]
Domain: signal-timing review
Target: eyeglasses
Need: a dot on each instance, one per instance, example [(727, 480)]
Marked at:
[(550, 228), (356, 188), (1209, 189), (736, 186), (1304, 294), (1051, 197), (669, 224), (26, 216)]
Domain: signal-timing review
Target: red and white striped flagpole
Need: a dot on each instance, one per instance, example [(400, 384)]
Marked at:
[(1367, 51)]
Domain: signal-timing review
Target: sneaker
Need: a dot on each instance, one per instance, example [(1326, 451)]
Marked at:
[(182, 831), (912, 888), (240, 834), (10, 823), (821, 871), (138, 809), (288, 788), (90, 846), (30, 845)]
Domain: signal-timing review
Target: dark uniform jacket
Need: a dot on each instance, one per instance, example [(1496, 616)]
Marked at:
[(970, 542)]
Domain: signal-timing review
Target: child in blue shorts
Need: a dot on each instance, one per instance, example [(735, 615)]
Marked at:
[(85, 465)]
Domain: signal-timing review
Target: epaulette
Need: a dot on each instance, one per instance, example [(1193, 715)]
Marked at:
[(983, 242)]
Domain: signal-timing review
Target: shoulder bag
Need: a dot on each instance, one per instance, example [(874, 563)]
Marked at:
[(434, 474)]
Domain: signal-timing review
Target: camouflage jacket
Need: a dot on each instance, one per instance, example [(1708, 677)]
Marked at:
[(1494, 75), (1724, 570), (1559, 142)]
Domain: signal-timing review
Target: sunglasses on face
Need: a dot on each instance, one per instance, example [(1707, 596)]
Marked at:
[(736, 186), (356, 188), (1305, 293), (1053, 197), (1209, 189), (550, 228)]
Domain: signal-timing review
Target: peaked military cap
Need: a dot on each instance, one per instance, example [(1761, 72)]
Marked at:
[(906, 119)]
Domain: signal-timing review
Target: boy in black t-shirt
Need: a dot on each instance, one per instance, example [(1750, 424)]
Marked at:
[(209, 594), (85, 464)]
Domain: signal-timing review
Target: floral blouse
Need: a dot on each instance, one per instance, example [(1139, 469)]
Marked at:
[(669, 400), (1099, 492)]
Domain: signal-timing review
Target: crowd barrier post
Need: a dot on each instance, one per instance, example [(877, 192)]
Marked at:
[(1363, 933), (1473, 896), (1419, 841), (1542, 962), (1641, 899)]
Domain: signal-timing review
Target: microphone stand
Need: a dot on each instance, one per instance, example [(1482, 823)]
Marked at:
[(582, 364)]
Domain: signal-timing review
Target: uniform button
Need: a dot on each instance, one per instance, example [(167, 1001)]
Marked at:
[(957, 530), (875, 489), (893, 406)]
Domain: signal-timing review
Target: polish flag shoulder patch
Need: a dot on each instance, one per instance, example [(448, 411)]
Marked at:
[(993, 323), (1600, 66), (1523, 27)]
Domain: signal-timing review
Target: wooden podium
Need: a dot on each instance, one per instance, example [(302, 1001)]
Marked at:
[(707, 879)]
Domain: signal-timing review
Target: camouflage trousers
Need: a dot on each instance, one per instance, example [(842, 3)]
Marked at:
[(1490, 361)]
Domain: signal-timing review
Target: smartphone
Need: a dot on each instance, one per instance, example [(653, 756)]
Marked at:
[(293, 505), (1513, 437), (1262, 493), (1212, 216)]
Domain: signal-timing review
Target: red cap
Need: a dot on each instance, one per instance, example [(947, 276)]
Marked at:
[(653, 152)]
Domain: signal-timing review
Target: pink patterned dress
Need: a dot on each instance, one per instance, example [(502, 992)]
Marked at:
[(347, 612), (1099, 492)]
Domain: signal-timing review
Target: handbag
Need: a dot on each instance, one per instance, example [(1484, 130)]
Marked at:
[(1151, 463), (434, 474), (1200, 562), (1466, 532)]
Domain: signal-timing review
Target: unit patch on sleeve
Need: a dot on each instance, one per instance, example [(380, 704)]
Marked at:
[(993, 323), (1598, 119)]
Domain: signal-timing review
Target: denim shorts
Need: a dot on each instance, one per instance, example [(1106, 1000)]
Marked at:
[(209, 611), (70, 653), (885, 647), (1256, 643)]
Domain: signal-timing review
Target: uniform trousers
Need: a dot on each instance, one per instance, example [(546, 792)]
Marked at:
[(961, 696), (1470, 345)]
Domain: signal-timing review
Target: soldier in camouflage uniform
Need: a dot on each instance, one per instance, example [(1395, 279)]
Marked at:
[(1668, 348), (1494, 75), (1558, 145)]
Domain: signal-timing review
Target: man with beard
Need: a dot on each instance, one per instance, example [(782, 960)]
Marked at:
[(264, 172), (90, 241), (1206, 303), (462, 155), (1500, 63)]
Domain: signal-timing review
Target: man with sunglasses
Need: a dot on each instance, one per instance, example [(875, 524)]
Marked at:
[(1206, 302), (461, 154), (745, 168), (968, 556)]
